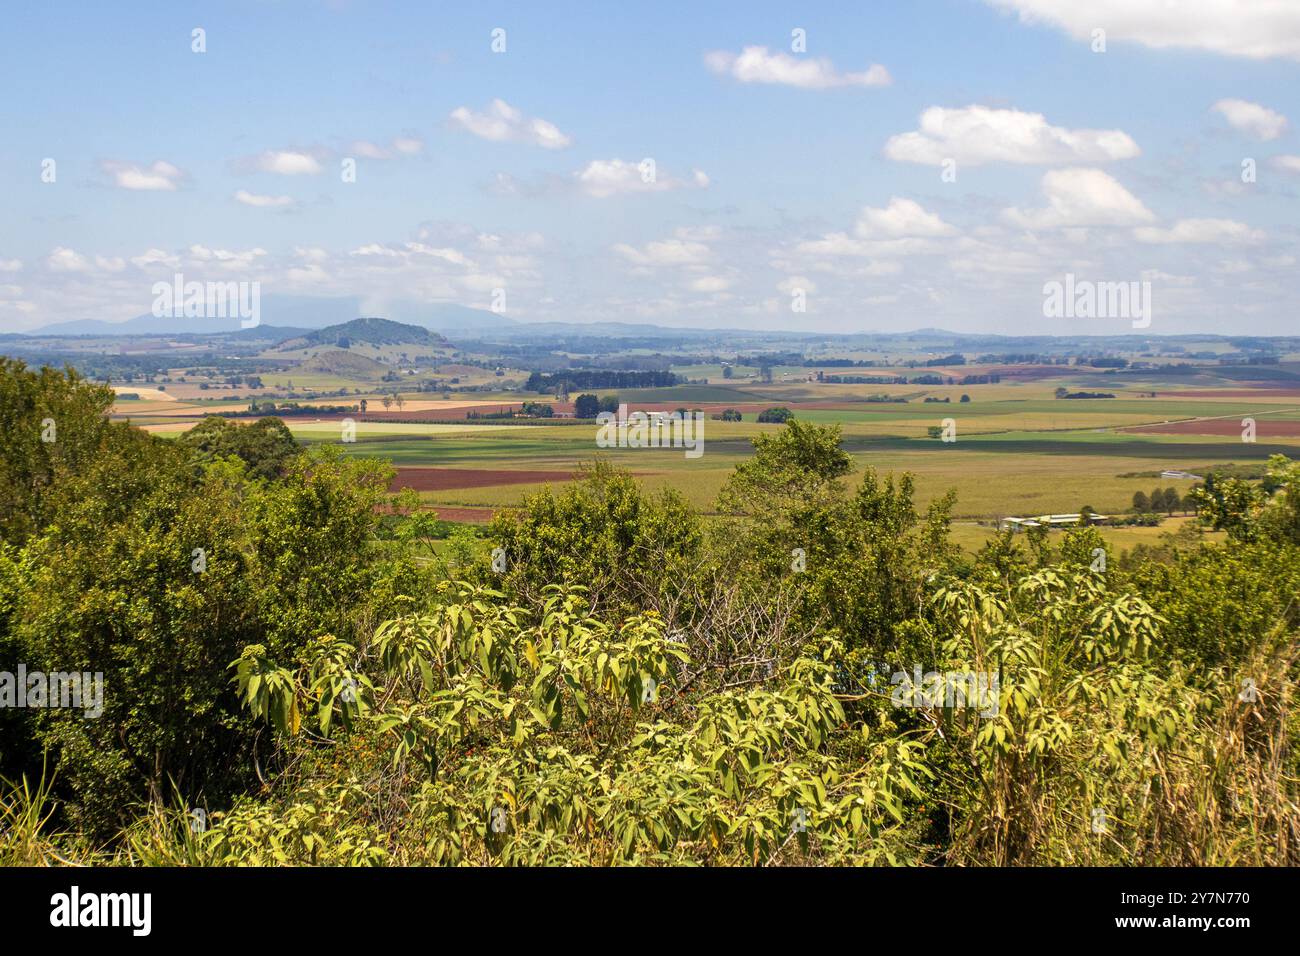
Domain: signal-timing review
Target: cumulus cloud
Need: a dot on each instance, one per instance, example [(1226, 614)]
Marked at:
[(226, 258), (262, 202), (62, 259), (902, 228), (158, 176), (666, 252), (602, 178), (1252, 119), (1200, 231), (502, 123), (974, 135), (1261, 30), (1081, 197), (901, 218), (796, 283), (283, 162), (756, 64), (398, 146), (155, 257), (1287, 163), (710, 284)]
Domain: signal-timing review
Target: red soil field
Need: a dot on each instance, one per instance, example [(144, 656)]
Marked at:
[(448, 479), (1264, 428)]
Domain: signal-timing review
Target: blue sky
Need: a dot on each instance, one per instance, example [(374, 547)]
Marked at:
[(777, 172)]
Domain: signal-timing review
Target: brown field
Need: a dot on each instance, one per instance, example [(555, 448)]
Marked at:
[(421, 404), (447, 479), (465, 515), (1020, 373), (442, 412), (1263, 390), (146, 394), (1264, 428)]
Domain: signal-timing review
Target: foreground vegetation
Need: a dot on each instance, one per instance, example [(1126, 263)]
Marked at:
[(293, 675)]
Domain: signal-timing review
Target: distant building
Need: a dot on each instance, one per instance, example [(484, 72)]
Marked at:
[(1051, 521), (1181, 474)]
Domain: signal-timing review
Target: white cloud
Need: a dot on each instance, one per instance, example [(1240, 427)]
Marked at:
[(974, 135), (262, 202), (755, 64), (901, 218), (842, 244), (285, 162), (1081, 197), (10, 265), (902, 228), (368, 150), (152, 257), (1200, 231), (62, 259), (1287, 163), (711, 284), (225, 257), (399, 146), (602, 178), (1258, 30), (792, 284), (158, 176), (502, 123), (666, 252), (1258, 121)]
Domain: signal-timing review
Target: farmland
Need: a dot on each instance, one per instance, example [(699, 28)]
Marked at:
[(1018, 449)]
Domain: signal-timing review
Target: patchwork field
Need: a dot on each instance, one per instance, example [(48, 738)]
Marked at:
[(1018, 449)]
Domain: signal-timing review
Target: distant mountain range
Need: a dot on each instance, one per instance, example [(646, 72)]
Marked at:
[(293, 312)]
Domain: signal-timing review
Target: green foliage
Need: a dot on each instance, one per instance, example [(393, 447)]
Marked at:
[(795, 467), (53, 423), (265, 446), (155, 573), (1228, 504), (562, 738), (603, 533), (774, 416)]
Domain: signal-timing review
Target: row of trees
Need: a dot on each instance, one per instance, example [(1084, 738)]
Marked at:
[(1164, 500)]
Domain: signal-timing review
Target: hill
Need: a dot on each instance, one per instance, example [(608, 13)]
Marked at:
[(368, 331), (341, 362)]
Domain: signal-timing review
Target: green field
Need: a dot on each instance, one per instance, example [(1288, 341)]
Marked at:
[(1019, 450)]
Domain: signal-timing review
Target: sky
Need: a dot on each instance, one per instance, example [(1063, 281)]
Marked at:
[(840, 167)]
